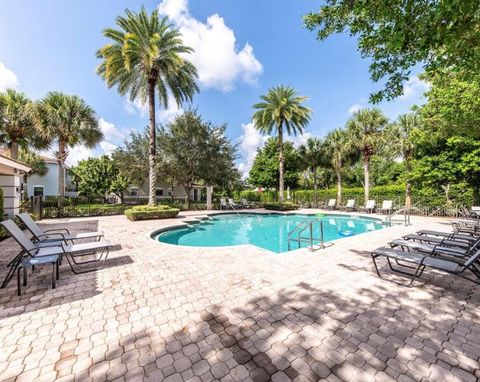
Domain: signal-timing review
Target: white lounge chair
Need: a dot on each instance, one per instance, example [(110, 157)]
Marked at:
[(387, 207), (331, 204), (350, 206), (369, 206)]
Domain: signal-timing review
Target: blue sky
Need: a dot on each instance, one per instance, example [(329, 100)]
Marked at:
[(242, 48)]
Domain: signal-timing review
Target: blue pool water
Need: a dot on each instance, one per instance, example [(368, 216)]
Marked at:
[(267, 231)]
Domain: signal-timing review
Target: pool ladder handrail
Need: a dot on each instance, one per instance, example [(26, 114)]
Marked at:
[(300, 228), (406, 216)]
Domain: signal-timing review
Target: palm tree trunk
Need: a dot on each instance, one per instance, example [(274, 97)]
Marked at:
[(408, 189), (366, 171), (13, 149), (61, 169), (315, 185), (339, 185), (281, 163), (152, 149)]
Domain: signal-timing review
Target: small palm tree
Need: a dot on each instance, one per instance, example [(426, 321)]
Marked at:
[(366, 134), (312, 158), (337, 149), (17, 127), (69, 121), (281, 107), (402, 144), (146, 57)]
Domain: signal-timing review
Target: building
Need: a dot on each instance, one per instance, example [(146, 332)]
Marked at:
[(47, 185), (164, 191), (11, 175)]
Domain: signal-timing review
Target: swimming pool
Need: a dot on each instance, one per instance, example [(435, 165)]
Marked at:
[(269, 231)]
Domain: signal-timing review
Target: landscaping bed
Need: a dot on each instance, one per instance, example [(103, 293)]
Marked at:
[(149, 213)]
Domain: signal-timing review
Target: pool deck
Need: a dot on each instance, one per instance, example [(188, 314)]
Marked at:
[(160, 312)]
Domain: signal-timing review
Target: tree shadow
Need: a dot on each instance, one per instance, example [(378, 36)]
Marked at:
[(38, 293), (311, 333)]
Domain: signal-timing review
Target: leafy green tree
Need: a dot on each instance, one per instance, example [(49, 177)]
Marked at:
[(69, 121), (99, 176), (34, 161), (402, 142), (17, 127), (311, 156), (281, 108), (366, 134), (130, 159), (265, 171), (146, 56), (398, 34), (338, 151), (195, 150)]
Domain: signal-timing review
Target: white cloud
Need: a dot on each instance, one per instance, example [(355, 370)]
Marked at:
[(110, 132), (414, 86), (78, 153), (249, 142), (354, 108), (216, 56), (8, 78)]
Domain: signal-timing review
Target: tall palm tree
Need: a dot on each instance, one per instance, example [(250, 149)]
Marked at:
[(366, 134), (17, 128), (311, 155), (338, 151), (281, 107), (402, 144), (69, 121), (147, 56)]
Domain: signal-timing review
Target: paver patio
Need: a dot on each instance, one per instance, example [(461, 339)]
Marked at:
[(166, 313)]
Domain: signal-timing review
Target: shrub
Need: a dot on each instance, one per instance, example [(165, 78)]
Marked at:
[(280, 206), (83, 210), (148, 213)]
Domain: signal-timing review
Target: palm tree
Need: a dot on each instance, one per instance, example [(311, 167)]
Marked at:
[(17, 127), (311, 155), (402, 144), (281, 107), (337, 149), (366, 134), (147, 56), (69, 121)]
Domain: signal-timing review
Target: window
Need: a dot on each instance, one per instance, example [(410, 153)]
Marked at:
[(133, 191), (159, 192), (37, 190)]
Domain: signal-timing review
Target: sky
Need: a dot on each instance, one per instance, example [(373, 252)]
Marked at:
[(242, 48)]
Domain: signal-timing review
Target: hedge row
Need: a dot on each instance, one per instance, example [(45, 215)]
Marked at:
[(280, 206), (148, 213), (459, 194), (84, 210)]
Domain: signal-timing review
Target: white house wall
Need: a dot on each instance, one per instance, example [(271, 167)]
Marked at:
[(10, 185), (49, 181)]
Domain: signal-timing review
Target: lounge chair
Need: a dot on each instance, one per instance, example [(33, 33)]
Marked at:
[(369, 206), (60, 248), (55, 234), (475, 212), (245, 203), (387, 207), (350, 206), (223, 204), (233, 204), (331, 204), (442, 249), (422, 261), (459, 239)]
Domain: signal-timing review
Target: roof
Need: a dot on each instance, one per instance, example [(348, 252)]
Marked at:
[(8, 164)]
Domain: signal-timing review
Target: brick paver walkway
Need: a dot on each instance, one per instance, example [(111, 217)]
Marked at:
[(167, 313)]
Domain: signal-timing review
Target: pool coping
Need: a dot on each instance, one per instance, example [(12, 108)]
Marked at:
[(150, 235)]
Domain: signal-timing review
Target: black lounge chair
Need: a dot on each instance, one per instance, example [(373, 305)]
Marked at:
[(421, 261), (58, 234), (450, 240)]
